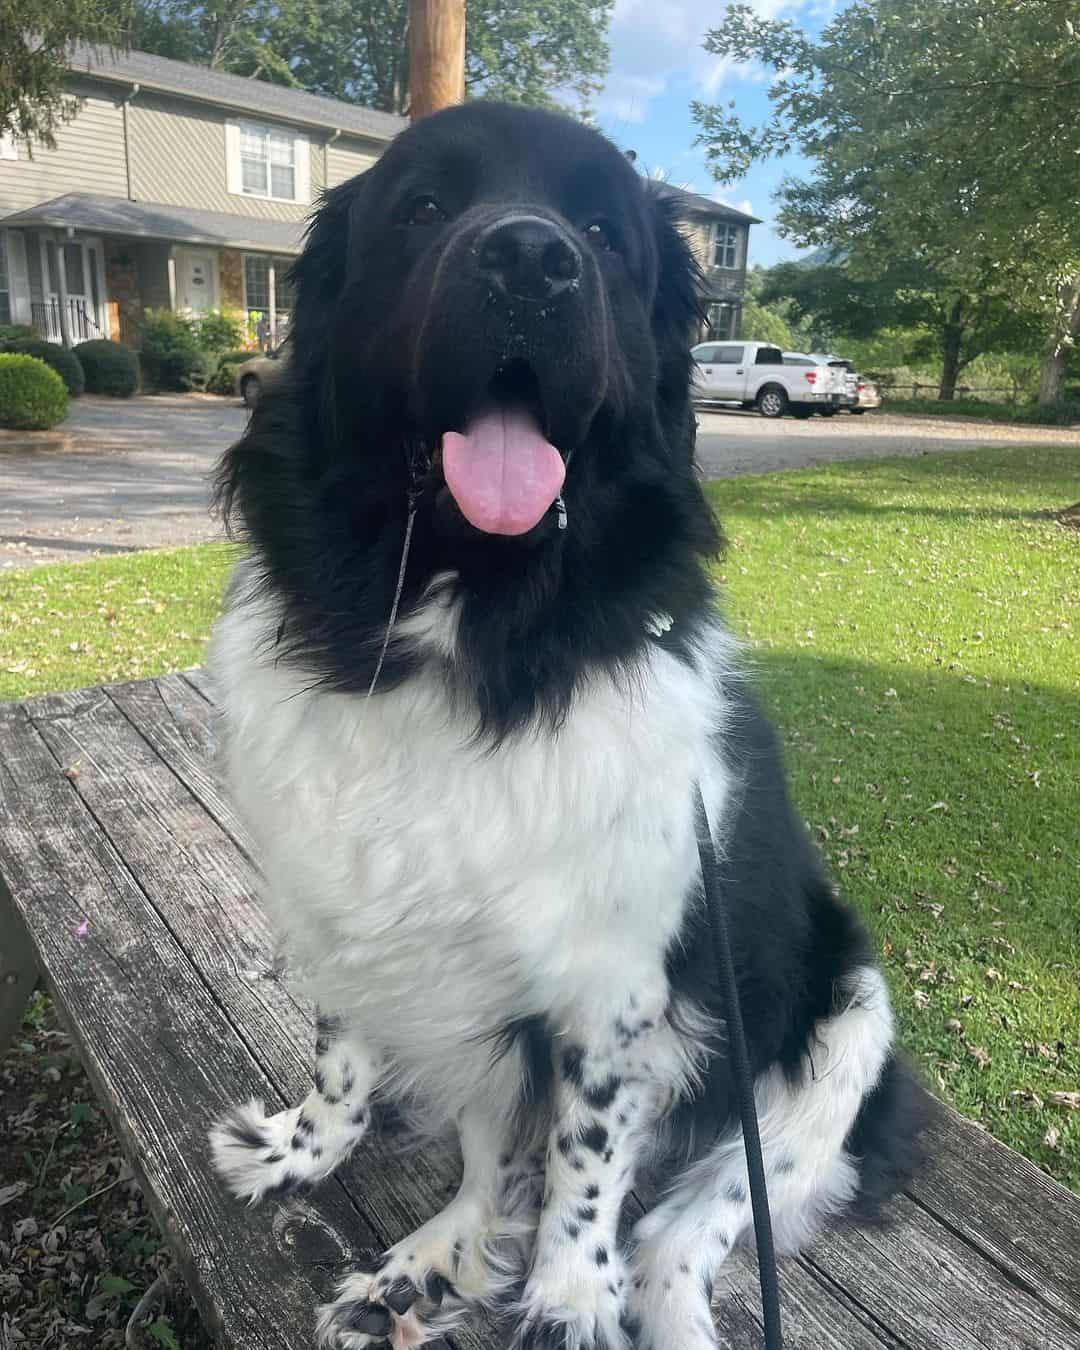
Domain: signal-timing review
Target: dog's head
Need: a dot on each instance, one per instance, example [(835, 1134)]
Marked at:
[(495, 320)]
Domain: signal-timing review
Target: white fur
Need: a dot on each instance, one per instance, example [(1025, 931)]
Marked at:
[(430, 887), (683, 1242)]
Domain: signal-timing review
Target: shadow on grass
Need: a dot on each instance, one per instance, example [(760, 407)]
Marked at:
[(960, 791)]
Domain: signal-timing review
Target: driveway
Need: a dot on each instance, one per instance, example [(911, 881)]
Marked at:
[(737, 442), (139, 477)]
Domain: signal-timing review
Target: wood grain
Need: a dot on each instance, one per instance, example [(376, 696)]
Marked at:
[(18, 968), (110, 811)]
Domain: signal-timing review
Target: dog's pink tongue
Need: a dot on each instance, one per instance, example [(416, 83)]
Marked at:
[(501, 471)]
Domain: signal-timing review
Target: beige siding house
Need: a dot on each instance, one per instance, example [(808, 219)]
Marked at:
[(720, 237), (173, 186)]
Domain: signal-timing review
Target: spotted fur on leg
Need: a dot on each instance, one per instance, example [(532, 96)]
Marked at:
[(260, 1155)]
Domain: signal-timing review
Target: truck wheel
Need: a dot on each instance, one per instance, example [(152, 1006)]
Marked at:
[(828, 412), (772, 401)]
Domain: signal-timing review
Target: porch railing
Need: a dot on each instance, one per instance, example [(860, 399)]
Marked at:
[(45, 317)]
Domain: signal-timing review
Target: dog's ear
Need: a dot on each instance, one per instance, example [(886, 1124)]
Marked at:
[(678, 311)]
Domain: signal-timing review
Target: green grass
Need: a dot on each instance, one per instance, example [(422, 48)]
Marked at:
[(75, 624), (912, 623), (1058, 415)]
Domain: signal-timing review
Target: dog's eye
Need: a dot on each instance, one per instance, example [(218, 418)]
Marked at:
[(598, 233), (424, 211)]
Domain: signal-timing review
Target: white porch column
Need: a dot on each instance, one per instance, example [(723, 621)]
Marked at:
[(172, 279), (272, 283), (62, 293)]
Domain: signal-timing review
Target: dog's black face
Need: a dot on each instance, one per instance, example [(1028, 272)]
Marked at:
[(495, 319)]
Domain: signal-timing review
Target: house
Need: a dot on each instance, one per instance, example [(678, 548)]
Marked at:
[(720, 237), (174, 186)]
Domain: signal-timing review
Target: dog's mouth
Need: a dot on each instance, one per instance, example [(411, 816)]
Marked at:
[(500, 468)]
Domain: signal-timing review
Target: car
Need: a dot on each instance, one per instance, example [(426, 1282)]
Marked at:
[(845, 377), (754, 375), (868, 395), (253, 376)]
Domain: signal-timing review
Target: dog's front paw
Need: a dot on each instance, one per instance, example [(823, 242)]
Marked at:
[(372, 1308), (577, 1308), (259, 1155)]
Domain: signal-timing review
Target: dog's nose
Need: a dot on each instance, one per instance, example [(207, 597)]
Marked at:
[(528, 257)]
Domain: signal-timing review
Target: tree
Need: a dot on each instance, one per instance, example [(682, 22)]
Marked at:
[(760, 323), (942, 133), (527, 51), (35, 36), (832, 302)]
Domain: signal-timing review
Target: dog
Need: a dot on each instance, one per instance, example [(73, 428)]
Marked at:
[(472, 676)]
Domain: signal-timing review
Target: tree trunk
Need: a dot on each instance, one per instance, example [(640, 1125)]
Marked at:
[(1066, 331), (951, 364)]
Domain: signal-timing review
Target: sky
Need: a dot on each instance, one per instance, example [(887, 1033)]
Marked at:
[(658, 67)]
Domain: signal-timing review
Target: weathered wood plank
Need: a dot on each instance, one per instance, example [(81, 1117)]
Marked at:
[(163, 1057), (199, 679), (932, 1289), (18, 968), (204, 889), (1004, 1207)]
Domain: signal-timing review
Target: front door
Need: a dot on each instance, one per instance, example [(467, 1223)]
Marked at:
[(196, 280)]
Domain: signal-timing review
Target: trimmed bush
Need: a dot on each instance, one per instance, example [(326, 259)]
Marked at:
[(219, 331), (110, 367), (240, 354), (66, 364), (223, 380), (32, 395), (185, 371), (16, 332)]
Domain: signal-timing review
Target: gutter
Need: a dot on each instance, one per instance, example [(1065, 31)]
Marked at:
[(127, 137)]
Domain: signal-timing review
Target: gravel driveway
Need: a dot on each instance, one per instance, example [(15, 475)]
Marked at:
[(138, 478)]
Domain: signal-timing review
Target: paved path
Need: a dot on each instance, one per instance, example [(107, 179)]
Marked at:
[(139, 478)]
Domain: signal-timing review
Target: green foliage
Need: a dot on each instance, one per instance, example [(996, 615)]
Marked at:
[(527, 51), (65, 363), (17, 332), (161, 1332), (939, 132), (1065, 414), (34, 39), (219, 330), (761, 323), (32, 395), (223, 380), (172, 358), (110, 367)]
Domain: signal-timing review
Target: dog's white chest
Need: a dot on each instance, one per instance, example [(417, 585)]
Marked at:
[(436, 887)]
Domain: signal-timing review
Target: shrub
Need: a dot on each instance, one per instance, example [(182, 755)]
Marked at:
[(110, 367), (16, 332), (219, 331), (223, 380), (66, 364), (32, 395), (185, 371), (240, 354)]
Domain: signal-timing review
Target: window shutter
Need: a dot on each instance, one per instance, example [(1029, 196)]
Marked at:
[(302, 168), (233, 179)]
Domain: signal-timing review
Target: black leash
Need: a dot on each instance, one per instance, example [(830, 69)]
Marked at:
[(744, 1083)]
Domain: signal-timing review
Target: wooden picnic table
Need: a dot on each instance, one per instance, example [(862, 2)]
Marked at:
[(125, 883)]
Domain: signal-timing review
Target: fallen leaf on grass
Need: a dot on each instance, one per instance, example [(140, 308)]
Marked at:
[(12, 1192), (978, 1054), (1069, 1099), (1051, 1137)]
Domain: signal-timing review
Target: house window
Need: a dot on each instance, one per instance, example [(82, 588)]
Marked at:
[(721, 319), (257, 268), (5, 282), (267, 162), (725, 245)]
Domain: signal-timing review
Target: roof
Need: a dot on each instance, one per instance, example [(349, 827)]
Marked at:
[(234, 91), (182, 224), (693, 203)]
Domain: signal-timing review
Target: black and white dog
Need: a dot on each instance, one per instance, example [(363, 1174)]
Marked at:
[(486, 871)]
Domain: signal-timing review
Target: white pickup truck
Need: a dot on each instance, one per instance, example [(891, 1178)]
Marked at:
[(754, 375)]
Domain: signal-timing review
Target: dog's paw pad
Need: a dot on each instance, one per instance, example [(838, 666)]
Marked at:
[(379, 1306)]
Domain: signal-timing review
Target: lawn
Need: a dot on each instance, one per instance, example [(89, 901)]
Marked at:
[(1058, 415), (912, 624)]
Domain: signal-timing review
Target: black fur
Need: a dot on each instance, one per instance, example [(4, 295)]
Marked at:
[(395, 342)]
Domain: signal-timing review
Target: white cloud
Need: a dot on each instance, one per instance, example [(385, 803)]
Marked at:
[(653, 41)]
